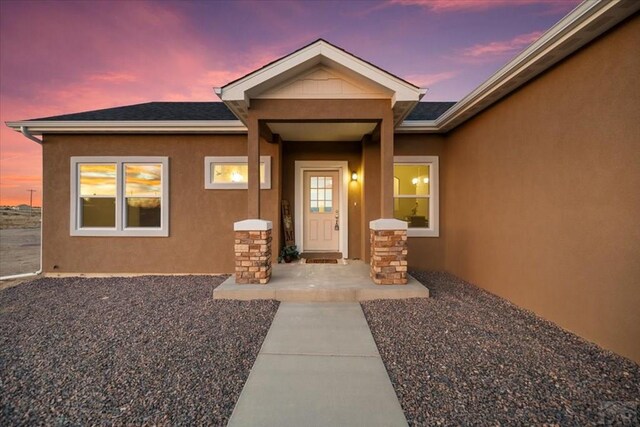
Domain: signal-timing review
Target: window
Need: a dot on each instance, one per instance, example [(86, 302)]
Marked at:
[(415, 194), (232, 172), (321, 194), (119, 196)]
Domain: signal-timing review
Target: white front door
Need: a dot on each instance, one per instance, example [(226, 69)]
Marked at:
[(321, 205)]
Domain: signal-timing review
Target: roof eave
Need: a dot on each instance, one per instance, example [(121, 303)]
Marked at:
[(590, 19), (418, 126), (38, 127)]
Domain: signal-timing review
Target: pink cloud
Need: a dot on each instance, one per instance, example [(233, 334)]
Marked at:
[(498, 49), (104, 69), (13, 181), (426, 80), (116, 77), (91, 72), (475, 5)]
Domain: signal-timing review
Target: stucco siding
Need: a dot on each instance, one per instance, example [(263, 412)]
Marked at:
[(542, 194), (426, 253), (200, 221)]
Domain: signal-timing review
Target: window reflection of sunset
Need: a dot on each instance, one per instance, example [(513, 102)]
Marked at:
[(143, 180), (98, 180), (232, 173)]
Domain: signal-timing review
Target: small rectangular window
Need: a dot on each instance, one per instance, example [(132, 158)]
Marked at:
[(415, 194), (232, 172), (119, 196)]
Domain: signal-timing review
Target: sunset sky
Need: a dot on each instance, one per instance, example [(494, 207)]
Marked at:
[(64, 56)]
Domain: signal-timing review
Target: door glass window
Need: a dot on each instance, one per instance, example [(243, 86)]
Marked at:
[(321, 194)]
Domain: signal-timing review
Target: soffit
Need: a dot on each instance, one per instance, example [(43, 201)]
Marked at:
[(317, 131)]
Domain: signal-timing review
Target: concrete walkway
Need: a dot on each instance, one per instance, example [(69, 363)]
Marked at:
[(318, 366)]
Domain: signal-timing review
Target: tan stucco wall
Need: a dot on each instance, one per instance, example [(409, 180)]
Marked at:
[(426, 253), (542, 194), (370, 190), (201, 221)]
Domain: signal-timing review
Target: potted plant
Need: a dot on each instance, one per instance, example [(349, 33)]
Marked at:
[(288, 254)]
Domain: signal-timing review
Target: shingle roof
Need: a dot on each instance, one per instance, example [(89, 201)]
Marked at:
[(429, 110), (152, 111)]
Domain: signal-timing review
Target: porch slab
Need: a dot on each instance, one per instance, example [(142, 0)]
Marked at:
[(348, 282)]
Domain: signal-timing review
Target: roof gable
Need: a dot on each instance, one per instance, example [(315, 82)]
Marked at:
[(319, 55), (322, 82)]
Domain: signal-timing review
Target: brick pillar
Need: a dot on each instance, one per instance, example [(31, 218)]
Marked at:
[(388, 252), (253, 251)]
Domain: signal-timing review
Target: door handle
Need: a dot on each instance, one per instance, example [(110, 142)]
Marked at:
[(337, 226)]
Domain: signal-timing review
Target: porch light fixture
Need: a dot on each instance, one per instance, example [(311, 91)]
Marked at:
[(414, 181), (354, 176)]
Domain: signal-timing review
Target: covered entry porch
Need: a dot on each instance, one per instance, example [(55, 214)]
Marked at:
[(298, 282), (321, 94)]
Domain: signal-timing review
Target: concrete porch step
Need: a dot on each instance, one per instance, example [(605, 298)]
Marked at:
[(320, 283)]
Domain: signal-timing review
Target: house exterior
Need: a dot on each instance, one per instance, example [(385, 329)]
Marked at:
[(528, 187)]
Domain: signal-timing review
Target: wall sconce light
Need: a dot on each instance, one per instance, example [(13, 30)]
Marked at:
[(354, 176), (415, 181)]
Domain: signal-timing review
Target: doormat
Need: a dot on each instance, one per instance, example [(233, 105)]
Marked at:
[(320, 261)]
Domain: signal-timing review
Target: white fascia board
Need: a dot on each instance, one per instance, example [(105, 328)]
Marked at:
[(236, 91), (404, 91), (39, 127), (418, 126), (549, 44)]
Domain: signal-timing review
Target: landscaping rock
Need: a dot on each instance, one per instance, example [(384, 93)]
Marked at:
[(467, 357), (142, 350)]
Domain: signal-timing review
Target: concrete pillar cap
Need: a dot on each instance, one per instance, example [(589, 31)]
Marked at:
[(388, 224), (252, 225)]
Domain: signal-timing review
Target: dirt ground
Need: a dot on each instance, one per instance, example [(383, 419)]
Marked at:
[(10, 218), (19, 250)]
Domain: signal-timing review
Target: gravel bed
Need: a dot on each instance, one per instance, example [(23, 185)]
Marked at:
[(467, 357), (122, 351)]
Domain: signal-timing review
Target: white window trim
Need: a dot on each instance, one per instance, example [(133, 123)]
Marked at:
[(119, 229), (210, 185), (434, 197)]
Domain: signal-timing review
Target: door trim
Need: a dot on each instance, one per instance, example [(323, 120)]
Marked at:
[(343, 169)]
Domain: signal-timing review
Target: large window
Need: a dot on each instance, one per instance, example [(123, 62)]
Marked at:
[(415, 194), (232, 172), (119, 196)]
